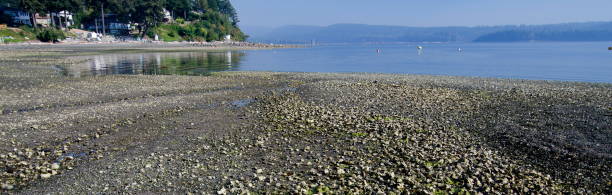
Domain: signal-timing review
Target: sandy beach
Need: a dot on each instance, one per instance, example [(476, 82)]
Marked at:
[(295, 133)]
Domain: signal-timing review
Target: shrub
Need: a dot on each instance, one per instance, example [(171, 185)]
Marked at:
[(50, 35), (150, 33), (180, 20)]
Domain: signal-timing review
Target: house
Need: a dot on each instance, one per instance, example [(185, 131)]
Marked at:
[(117, 28), (19, 17), (65, 16), (112, 26), (43, 20)]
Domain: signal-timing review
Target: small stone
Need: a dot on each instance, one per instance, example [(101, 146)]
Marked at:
[(55, 166), (45, 176), (261, 178), (7, 187), (259, 171), (222, 191), (341, 172)]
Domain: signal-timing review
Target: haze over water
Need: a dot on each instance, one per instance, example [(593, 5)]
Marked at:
[(571, 61)]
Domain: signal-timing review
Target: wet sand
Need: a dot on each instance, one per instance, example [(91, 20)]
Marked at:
[(264, 132)]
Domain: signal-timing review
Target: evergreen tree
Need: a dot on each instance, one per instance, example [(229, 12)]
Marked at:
[(148, 14), (32, 7), (180, 8)]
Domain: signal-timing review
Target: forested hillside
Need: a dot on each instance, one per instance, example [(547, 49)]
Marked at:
[(346, 33), (191, 19)]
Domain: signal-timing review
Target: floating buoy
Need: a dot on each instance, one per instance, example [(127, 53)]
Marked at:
[(419, 50), (378, 51)]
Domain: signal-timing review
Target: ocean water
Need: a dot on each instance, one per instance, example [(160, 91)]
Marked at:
[(573, 61)]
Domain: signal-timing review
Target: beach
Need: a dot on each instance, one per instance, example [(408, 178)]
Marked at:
[(302, 133)]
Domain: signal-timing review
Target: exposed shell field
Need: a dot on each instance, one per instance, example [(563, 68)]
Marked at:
[(297, 133)]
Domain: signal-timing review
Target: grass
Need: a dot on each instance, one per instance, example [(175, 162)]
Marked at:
[(169, 33), (17, 34)]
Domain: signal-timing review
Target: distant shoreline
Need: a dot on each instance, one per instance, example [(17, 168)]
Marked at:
[(140, 46)]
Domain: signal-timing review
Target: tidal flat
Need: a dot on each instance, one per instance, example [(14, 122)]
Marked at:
[(296, 133)]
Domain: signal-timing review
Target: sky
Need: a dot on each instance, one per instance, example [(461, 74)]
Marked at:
[(426, 13)]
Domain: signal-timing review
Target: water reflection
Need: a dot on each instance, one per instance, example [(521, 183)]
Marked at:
[(181, 63)]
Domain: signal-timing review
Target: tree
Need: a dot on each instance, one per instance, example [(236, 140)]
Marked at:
[(32, 7), (122, 8), (74, 7), (202, 5), (213, 5), (54, 7), (9, 3), (148, 14), (179, 7), (225, 7), (100, 7)]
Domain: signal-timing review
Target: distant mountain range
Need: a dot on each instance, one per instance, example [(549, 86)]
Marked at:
[(350, 33)]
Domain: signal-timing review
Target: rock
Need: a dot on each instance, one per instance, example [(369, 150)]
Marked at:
[(261, 178), (7, 187), (45, 176), (222, 191), (341, 172), (55, 166)]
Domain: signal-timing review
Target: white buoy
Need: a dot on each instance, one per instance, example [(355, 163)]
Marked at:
[(419, 50)]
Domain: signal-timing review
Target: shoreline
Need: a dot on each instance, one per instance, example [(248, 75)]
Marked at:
[(266, 132), (153, 46)]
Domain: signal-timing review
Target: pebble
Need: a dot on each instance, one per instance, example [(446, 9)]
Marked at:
[(55, 166), (223, 191), (45, 176), (7, 187)]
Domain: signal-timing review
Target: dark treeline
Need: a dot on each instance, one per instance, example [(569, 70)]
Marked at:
[(218, 16)]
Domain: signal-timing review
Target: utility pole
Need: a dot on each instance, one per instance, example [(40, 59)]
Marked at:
[(66, 19), (59, 19), (52, 21), (33, 16), (103, 24)]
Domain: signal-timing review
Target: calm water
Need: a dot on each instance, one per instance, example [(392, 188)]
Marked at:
[(590, 62)]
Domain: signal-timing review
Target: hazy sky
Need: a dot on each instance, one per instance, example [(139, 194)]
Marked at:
[(273, 13)]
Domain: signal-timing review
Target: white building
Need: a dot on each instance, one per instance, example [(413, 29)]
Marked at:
[(65, 16), (43, 20), (227, 38), (167, 16)]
